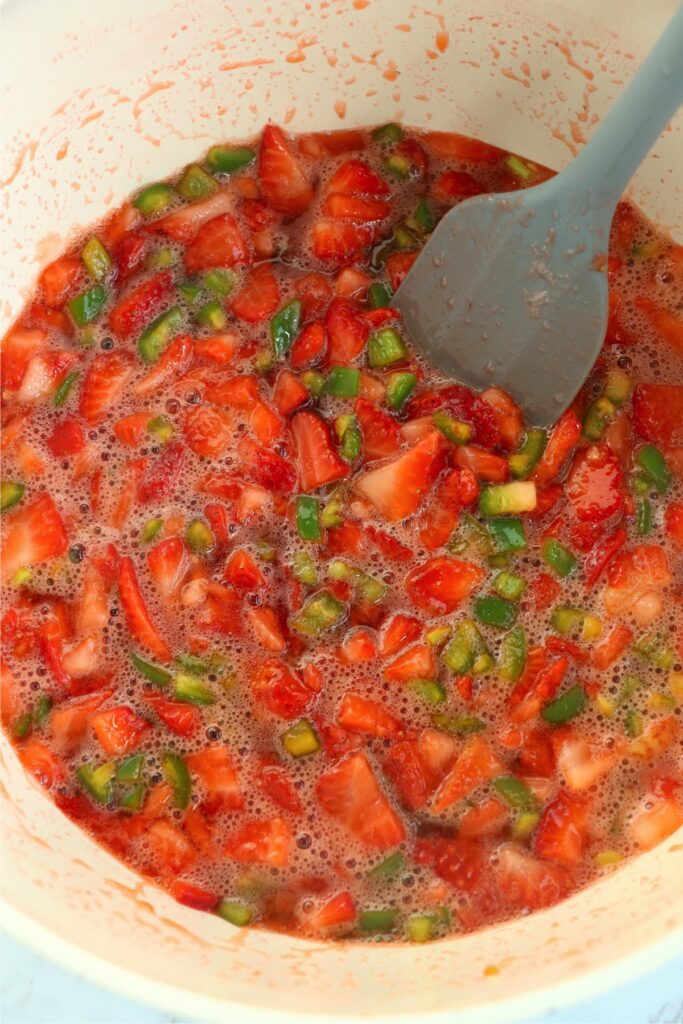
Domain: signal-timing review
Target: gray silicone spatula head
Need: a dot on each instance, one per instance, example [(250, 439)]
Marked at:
[(511, 288)]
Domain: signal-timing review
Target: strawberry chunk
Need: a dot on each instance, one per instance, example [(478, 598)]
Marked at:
[(40, 762), (527, 883), (673, 522), (70, 721), (452, 186), (359, 714), (475, 764), (636, 579), (339, 910), (289, 393), (59, 280), (66, 438), (340, 242), (265, 841), (216, 768), (276, 784), (319, 461), (581, 763), (309, 345), (381, 432), (181, 719), (461, 147), (104, 382), (218, 243), (130, 430), (417, 766), (259, 296), (280, 690), (242, 572), (141, 304), (417, 662), (283, 179), (562, 831), (440, 584), (595, 485), (119, 730), (460, 862), (18, 348), (176, 359), (267, 468), (347, 331), (355, 177), (563, 438), (182, 225), (208, 430), (193, 895), (658, 413), (398, 488), (168, 563), (350, 793), (161, 476), (355, 208), (138, 618), (35, 534)]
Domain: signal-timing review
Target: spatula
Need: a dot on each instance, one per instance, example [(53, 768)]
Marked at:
[(511, 288)]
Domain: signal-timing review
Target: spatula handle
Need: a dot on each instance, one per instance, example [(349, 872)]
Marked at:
[(618, 146)]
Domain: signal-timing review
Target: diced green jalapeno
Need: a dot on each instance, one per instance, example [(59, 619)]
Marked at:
[(566, 707), (634, 724), (453, 430), (284, 327), (399, 388), (350, 436), (378, 920), (178, 776), (314, 382), (422, 927), (154, 199), (438, 636), (641, 484), (21, 726), (509, 586), (320, 612), (391, 132), (96, 259), (304, 570), (523, 462), (597, 418), (198, 536), (228, 159), (85, 307), (156, 675), (343, 381), (652, 462), (130, 770), (65, 389), (379, 295), (519, 168), (196, 183), (308, 517), (524, 825), (618, 386), (212, 315), (301, 739), (630, 686), (161, 428), (235, 912), (390, 867), (97, 780), (567, 619), (192, 690), (158, 334), (220, 282), (151, 529), (496, 611), (507, 499), (429, 690), (424, 218), (386, 347), (656, 650), (43, 709), (397, 166), (608, 858), (467, 651), (514, 792), (558, 557), (190, 291), (461, 725), (133, 800), (508, 533), (160, 259), (333, 511), (512, 655), (404, 238), (643, 517), (11, 493)]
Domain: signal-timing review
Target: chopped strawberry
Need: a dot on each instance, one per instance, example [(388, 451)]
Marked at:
[(317, 144), (398, 488), (41, 762), (463, 404), (355, 208), (170, 849), (508, 416), (358, 646), (138, 618), (602, 554), (138, 306), (315, 291), (283, 180), (107, 376), (340, 242), (174, 361), (398, 265), (563, 438), (119, 730), (440, 584), (242, 572), (527, 883), (490, 817), (658, 413), (208, 430), (216, 768), (355, 177), (350, 793), (18, 348), (168, 563), (460, 862), (44, 374), (130, 254), (417, 766), (673, 522), (381, 433), (289, 393), (562, 831), (219, 348), (338, 911), (347, 331), (595, 485), (131, 430), (182, 225), (417, 662), (161, 476), (612, 647), (276, 784), (452, 186), (580, 762), (259, 296), (399, 631), (70, 721), (182, 719), (218, 243), (60, 279), (358, 714), (461, 147), (475, 764), (636, 579), (267, 468), (441, 515), (668, 326), (319, 462), (280, 690), (35, 534), (266, 625), (193, 896), (241, 392), (266, 841), (309, 345), (655, 820), (66, 438)]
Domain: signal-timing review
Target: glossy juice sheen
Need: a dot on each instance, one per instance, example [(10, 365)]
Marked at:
[(324, 858)]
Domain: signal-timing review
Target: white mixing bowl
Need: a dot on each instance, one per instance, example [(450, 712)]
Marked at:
[(100, 97)]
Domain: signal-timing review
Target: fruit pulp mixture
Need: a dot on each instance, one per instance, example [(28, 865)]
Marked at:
[(312, 636)]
